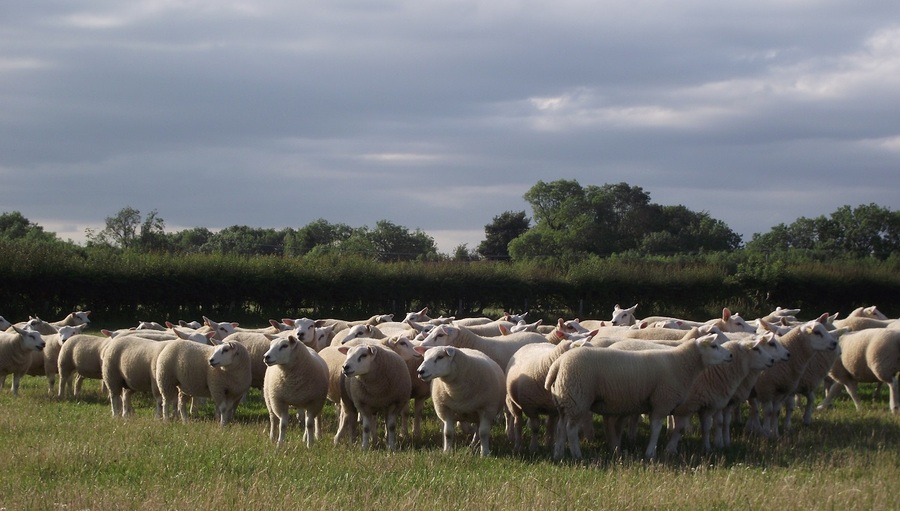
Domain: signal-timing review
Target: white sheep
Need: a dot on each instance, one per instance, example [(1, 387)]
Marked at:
[(499, 349), (257, 345), (80, 357), (617, 383), (221, 329), (296, 376), (774, 386), (491, 329), (128, 365), (15, 354), (377, 382), (467, 386), (46, 362), (221, 372), (356, 331), (715, 386), (867, 356), (75, 318), (525, 392)]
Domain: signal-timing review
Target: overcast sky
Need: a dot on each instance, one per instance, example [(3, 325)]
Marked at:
[(441, 114)]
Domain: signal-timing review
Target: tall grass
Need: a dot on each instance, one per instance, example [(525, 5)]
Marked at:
[(72, 454)]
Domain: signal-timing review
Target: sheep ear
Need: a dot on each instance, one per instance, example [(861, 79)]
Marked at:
[(823, 318), (450, 351), (271, 337), (503, 329), (420, 349), (213, 340), (372, 350), (344, 349), (292, 340), (726, 314)]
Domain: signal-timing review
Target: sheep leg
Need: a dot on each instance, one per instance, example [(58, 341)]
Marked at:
[(559, 444), (449, 433), (613, 434), (727, 415), (417, 418), (347, 425), (76, 384), (274, 419), (656, 424), (810, 405), (484, 433), (311, 422), (115, 402), (550, 429), (390, 424), (182, 405), (830, 394), (706, 425), (853, 390), (368, 424), (894, 388), (127, 407), (17, 378), (675, 430), (753, 424)]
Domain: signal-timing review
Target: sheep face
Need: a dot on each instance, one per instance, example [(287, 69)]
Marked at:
[(359, 359), (68, 331), (820, 338), (304, 329), (223, 355), (760, 357), (31, 340), (437, 363), (711, 352), (149, 325), (200, 337), (403, 347), (422, 315), (193, 325), (775, 347), (222, 330), (440, 336), (81, 317), (35, 323), (356, 332), (322, 335), (623, 317), (573, 327), (280, 351)]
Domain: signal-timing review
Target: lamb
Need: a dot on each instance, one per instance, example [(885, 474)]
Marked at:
[(221, 372), (722, 419), (45, 362), (466, 385), (623, 383), (15, 354), (296, 376), (779, 383), (714, 387), (257, 344), (499, 349), (75, 318), (525, 392), (377, 382), (356, 331), (80, 356), (128, 365), (867, 356)]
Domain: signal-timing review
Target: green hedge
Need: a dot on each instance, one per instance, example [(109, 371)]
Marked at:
[(49, 280)]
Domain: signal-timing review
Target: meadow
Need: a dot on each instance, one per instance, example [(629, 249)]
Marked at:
[(73, 455)]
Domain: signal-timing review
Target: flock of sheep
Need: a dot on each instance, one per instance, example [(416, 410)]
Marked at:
[(476, 370)]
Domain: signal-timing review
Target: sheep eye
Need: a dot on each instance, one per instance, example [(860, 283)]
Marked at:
[(756, 348)]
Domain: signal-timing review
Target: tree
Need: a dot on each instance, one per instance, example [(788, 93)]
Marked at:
[(505, 227), (14, 226), (394, 242), (316, 233), (121, 230)]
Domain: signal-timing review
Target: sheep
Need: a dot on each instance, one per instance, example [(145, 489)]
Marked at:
[(296, 376), (75, 318), (779, 383), (45, 362), (222, 330), (622, 383), (525, 392), (722, 419), (355, 331), (128, 365), (420, 390), (623, 317), (466, 385), (500, 349), (817, 369), (221, 372), (492, 329), (377, 381), (867, 356), (334, 360), (15, 354), (714, 387), (80, 356), (257, 345)]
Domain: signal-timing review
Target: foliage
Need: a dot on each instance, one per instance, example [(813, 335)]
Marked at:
[(504, 228), (14, 226)]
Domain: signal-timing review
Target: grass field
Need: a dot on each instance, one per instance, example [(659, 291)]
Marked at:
[(72, 455)]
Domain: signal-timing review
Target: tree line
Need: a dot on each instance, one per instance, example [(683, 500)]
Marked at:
[(570, 222)]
